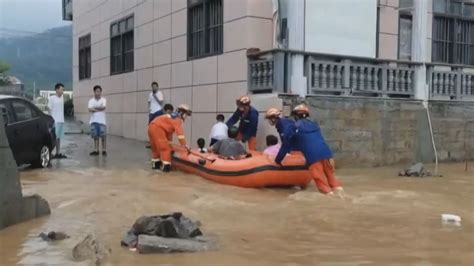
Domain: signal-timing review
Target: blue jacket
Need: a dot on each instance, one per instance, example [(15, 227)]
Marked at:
[(287, 130), (248, 123), (310, 141)]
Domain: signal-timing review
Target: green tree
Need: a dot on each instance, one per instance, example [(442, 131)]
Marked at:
[(4, 67)]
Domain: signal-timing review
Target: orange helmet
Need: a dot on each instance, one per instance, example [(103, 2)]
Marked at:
[(301, 109), (184, 108), (272, 113), (244, 100)]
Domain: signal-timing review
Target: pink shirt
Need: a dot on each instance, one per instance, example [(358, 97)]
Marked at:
[(272, 150)]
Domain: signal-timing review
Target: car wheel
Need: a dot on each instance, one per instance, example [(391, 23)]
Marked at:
[(43, 157)]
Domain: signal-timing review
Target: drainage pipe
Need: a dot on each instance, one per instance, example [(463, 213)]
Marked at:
[(432, 137)]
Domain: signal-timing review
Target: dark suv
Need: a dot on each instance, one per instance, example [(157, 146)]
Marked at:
[(30, 132)]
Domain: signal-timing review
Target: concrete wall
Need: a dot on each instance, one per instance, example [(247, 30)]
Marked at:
[(14, 208), (374, 132), (209, 85)]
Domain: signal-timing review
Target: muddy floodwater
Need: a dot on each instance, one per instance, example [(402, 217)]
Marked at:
[(384, 220)]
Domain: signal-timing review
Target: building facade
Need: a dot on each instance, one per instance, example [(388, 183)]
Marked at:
[(197, 51)]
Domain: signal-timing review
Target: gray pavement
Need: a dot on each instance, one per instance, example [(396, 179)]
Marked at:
[(121, 153)]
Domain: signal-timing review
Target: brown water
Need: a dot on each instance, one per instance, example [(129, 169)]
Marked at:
[(385, 220)]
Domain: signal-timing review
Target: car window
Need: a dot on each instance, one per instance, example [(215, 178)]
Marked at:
[(23, 111), (9, 116)]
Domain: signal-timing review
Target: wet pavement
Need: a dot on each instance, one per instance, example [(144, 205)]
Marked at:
[(385, 220)]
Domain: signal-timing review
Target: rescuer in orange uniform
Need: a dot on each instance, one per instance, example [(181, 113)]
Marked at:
[(160, 132)]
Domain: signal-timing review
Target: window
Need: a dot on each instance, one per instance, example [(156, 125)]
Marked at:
[(405, 23), (23, 111), (453, 32), (85, 57), (121, 46), (404, 38), (205, 32)]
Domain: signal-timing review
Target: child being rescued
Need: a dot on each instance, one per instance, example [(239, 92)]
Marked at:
[(272, 146)]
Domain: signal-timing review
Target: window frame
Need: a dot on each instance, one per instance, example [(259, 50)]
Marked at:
[(207, 27), (451, 40), (121, 36), (86, 51)]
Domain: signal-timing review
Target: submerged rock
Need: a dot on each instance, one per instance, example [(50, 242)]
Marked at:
[(169, 233), (157, 244), (91, 249), (53, 236), (417, 170), (129, 240)]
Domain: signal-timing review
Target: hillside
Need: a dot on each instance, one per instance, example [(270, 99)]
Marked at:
[(45, 58)]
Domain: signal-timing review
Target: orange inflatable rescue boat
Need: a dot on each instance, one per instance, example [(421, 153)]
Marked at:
[(258, 171)]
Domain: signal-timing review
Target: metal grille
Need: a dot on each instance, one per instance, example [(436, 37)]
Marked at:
[(197, 41), (464, 42), (205, 28), (453, 40), (128, 51), (121, 46), (85, 57), (442, 36), (215, 26)]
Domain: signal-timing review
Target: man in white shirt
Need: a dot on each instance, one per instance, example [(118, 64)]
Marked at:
[(56, 110), (219, 130), (97, 121), (155, 102)]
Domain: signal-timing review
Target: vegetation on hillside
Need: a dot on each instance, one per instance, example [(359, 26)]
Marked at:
[(44, 58), (4, 67)]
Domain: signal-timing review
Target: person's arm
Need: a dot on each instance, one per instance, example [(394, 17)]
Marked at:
[(284, 149), (91, 107), (159, 98), (149, 102), (102, 107), (252, 127), (288, 134), (50, 106), (234, 118), (178, 128)]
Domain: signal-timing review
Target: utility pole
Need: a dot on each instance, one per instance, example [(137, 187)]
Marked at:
[(34, 90)]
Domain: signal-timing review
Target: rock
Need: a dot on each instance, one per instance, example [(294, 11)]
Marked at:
[(91, 249), (169, 233), (155, 244), (53, 236), (174, 225), (130, 239), (415, 170)]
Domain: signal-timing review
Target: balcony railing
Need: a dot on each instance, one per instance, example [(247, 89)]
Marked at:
[(270, 71), (451, 82)]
